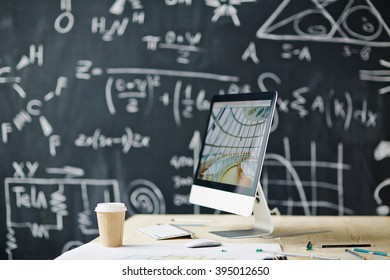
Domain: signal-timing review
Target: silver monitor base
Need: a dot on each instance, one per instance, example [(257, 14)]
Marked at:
[(263, 223)]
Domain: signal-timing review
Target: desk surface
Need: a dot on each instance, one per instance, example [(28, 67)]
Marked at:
[(343, 230)]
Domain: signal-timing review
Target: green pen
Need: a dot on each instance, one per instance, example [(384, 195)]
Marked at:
[(384, 254)]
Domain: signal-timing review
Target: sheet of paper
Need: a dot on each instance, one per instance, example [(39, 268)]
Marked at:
[(176, 251)]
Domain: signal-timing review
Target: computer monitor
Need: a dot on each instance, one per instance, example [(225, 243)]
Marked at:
[(231, 159)]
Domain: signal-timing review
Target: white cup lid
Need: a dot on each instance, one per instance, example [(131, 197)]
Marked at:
[(110, 207)]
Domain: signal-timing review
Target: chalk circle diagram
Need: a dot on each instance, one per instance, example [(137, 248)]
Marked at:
[(144, 197), (359, 23)]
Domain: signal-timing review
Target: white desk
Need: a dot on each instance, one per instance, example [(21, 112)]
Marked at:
[(342, 230)]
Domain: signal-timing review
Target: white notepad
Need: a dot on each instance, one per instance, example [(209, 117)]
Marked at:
[(165, 231), (171, 250)]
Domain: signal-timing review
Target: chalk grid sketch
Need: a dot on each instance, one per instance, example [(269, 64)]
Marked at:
[(309, 191), (359, 23), (47, 197)]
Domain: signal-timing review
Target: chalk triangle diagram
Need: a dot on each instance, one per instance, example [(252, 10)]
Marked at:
[(353, 22)]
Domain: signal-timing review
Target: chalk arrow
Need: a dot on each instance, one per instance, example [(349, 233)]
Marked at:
[(68, 171), (195, 145), (23, 62), (118, 7)]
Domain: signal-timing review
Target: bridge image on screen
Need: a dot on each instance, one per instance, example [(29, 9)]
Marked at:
[(234, 139)]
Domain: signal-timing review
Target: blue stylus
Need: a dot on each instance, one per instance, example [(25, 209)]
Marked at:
[(371, 252)]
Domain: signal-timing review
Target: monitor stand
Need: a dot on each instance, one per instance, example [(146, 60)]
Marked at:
[(263, 223)]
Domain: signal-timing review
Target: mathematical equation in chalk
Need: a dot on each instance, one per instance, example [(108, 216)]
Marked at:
[(110, 29), (184, 99), (332, 105), (185, 44), (179, 162), (128, 140), (129, 87)]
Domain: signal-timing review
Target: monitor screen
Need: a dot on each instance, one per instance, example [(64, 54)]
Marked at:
[(234, 144)]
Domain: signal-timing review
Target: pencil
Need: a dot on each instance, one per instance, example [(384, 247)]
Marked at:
[(355, 254), (343, 245)]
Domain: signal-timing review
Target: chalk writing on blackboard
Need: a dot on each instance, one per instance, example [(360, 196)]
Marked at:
[(382, 150), (289, 51), (331, 107), (381, 76), (98, 140), (33, 110), (319, 24), (83, 87), (118, 8), (226, 9), (382, 209), (28, 195), (85, 69), (184, 44), (4, 78), (250, 52), (108, 30), (363, 52), (145, 197), (309, 205), (144, 88), (67, 171), (25, 169), (178, 162), (65, 21), (35, 55)]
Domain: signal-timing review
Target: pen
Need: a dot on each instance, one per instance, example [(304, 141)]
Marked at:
[(191, 220), (313, 256), (189, 225), (343, 245), (384, 254), (355, 254), (294, 234), (309, 246)]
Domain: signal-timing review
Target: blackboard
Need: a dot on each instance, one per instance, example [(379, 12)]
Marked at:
[(107, 101)]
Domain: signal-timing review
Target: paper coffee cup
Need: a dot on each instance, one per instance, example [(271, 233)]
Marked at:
[(111, 217)]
